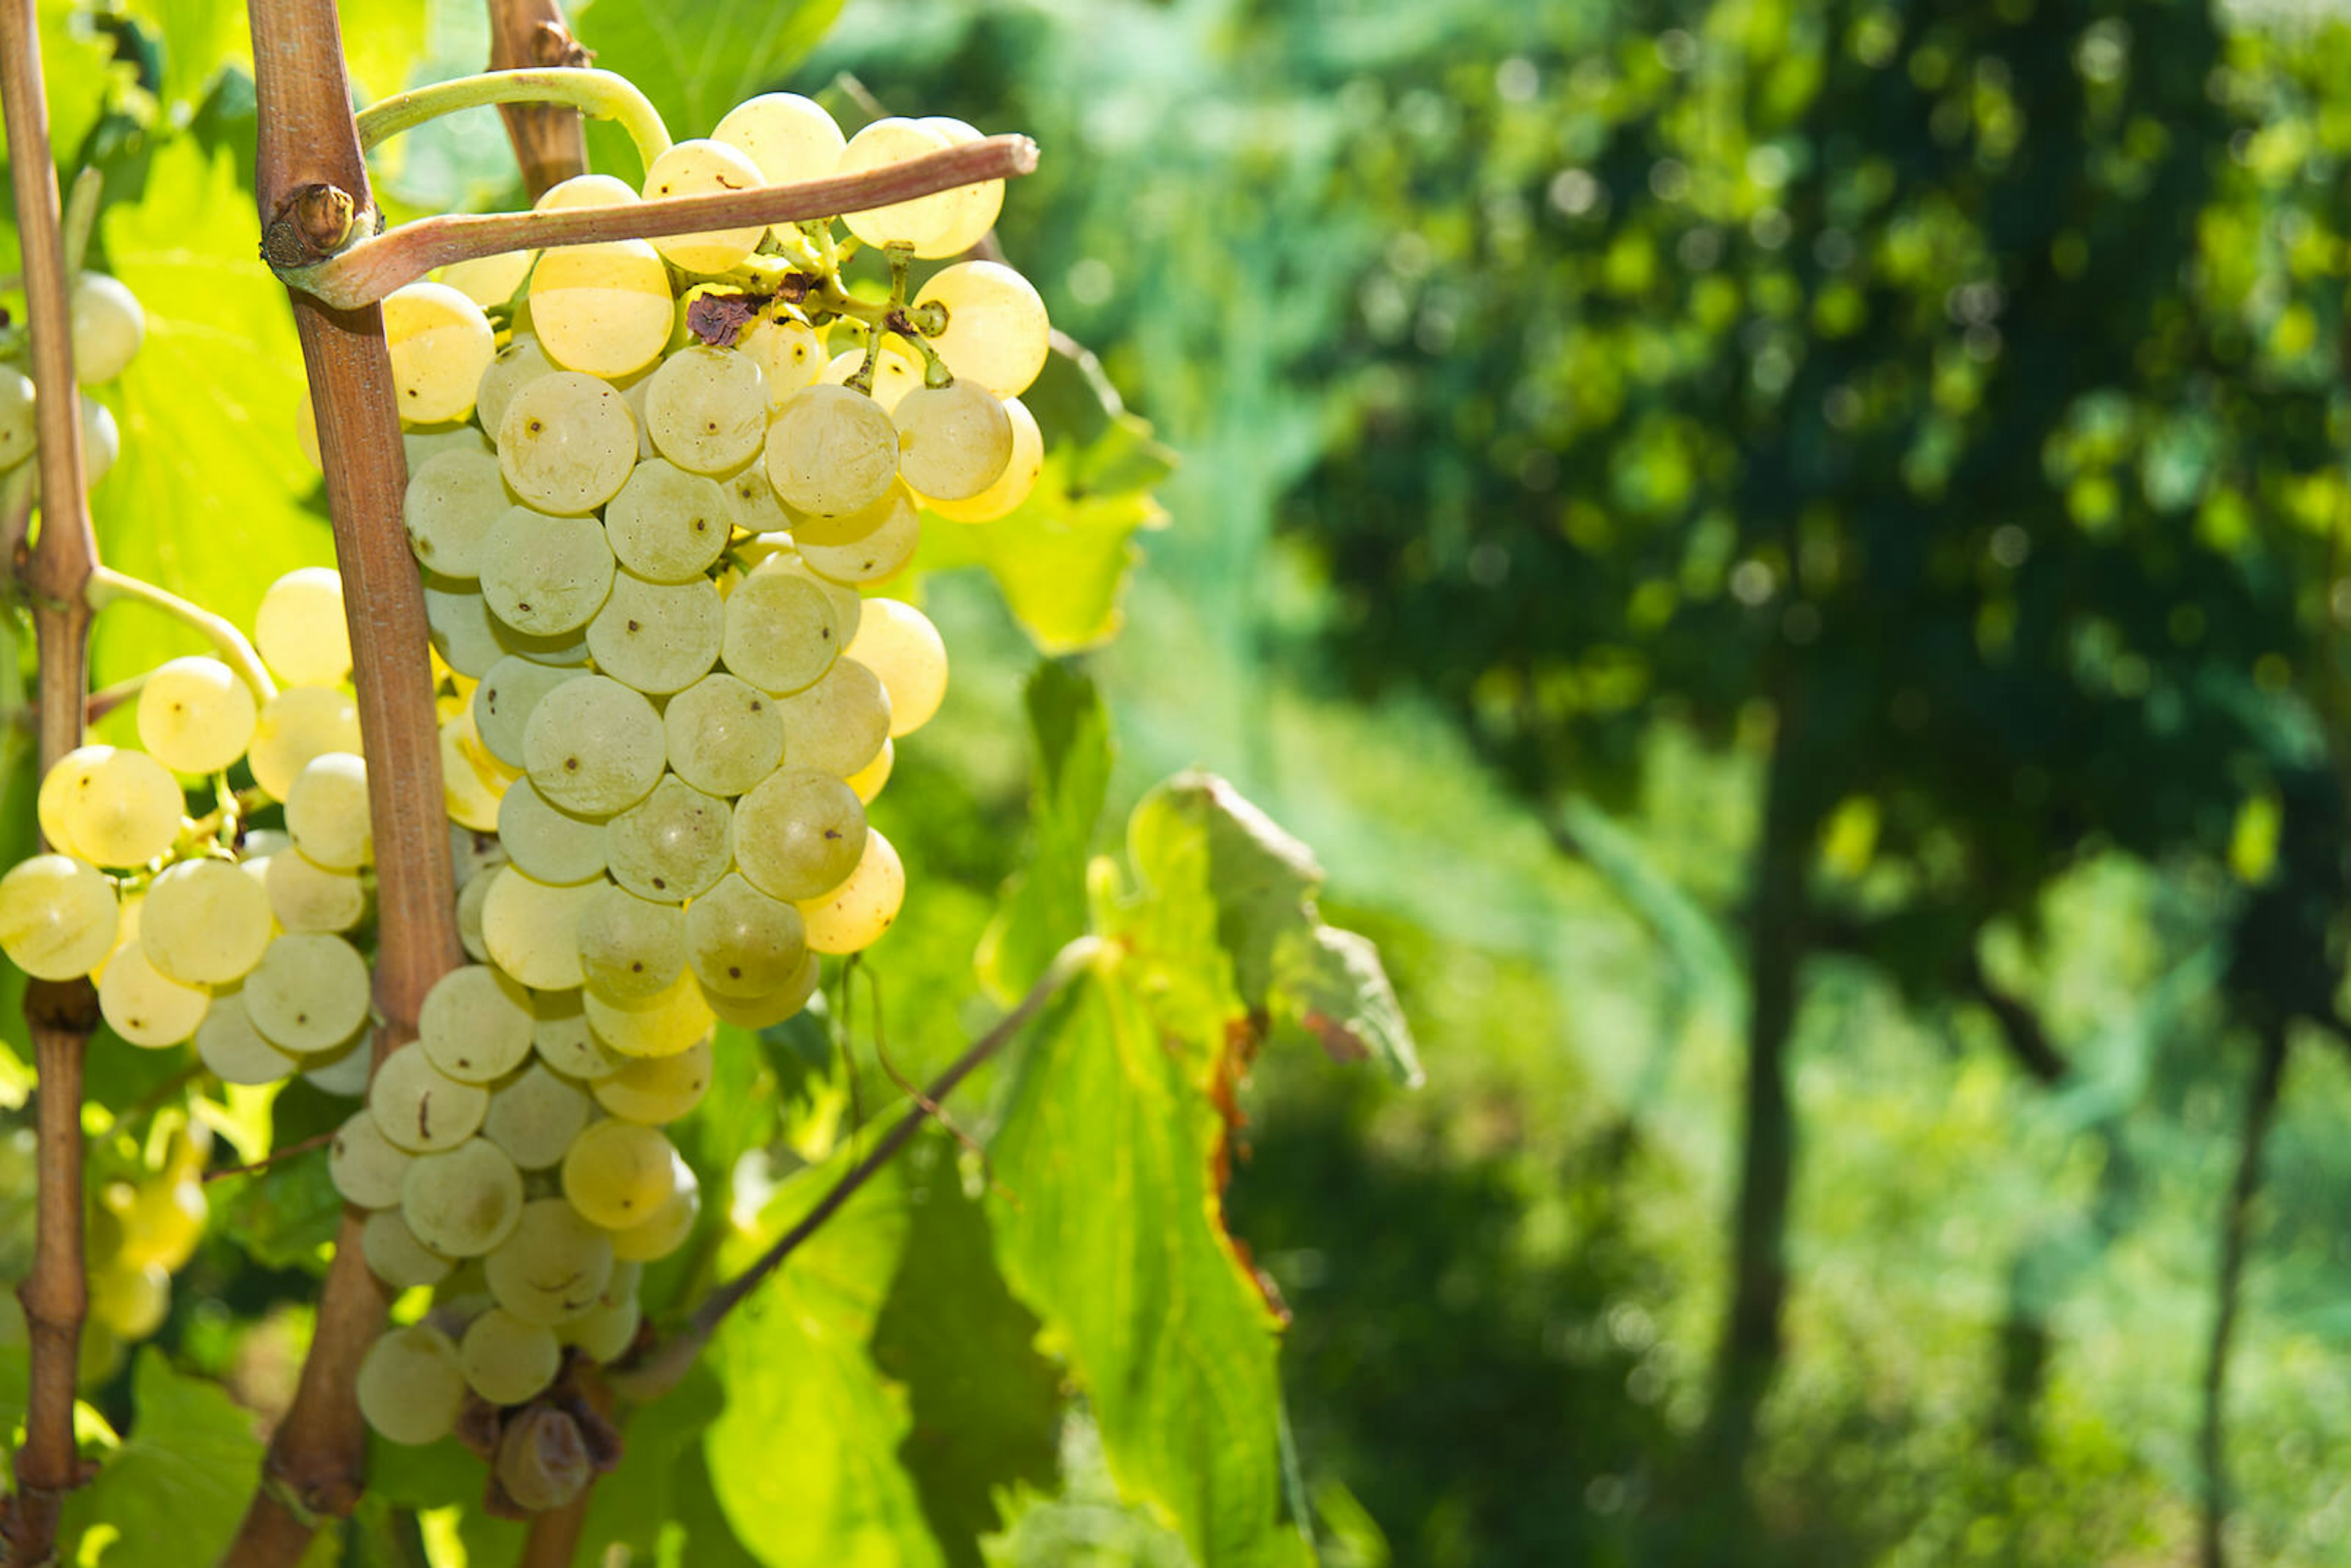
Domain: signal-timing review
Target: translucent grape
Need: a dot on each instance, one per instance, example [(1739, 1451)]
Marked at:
[(696, 168), (751, 504), (564, 1041), (163, 1217), (101, 440), (396, 1257), (723, 735), (897, 372), (310, 992), (472, 780), (508, 1360), (196, 715), (555, 1267), (799, 834), (19, 431), (502, 702), (667, 525), (342, 1074), (665, 1230), (300, 628), (108, 325), (836, 725), (976, 212), (654, 1026), (631, 948), (905, 652), (463, 632), (422, 446), (453, 502), (657, 637), (809, 529), (464, 1201), (854, 916), (657, 1089), (998, 333), (205, 922), (327, 811), (741, 943), (584, 190), (548, 844), (297, 725), (632, 392), (786, 137), (122, 809), (58, 917), (440, 343), (309, 897), (784, 628), (545, 575), (766, 1013), (476, 1024), (471, 899), (535, 1118), (953, 441), (233, 1050), (619, 1173), (707, 409), (568, 441), (531, 929), (921, 222), (787, 351), (831, 450), (145, 1006), (1021, 472), (519, 363), (366, 1167), (594, 746), (671, 846), (410, 1386), (605, 308), (867, 780), (489, 280), (879, 554), (606, 1330)]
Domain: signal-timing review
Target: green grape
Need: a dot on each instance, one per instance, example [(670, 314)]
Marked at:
[(422, 446), (657, 637), (309, 897), (617, 1174), (299, 629), (784, 628), (508, 1360), (310, 992), (510, 688), (594, 746), (742, 944), (665, 1230), (196, 715), (786, 137), (787, 351), (409, 1387), (64, 783), (101, 441), (472, 780), (547, 843), (233, 1050), (472, 898), (603, 309), (953, 441), (327, 811), (564, 1041), (108, 326), (708, 408), (905, 652), (19, 429), (568, 440), (976, 212), (531, 929), (396, 1257), (606, 1330), (807, 528), (123, 808), (662, 1025), (440, 343), (838, 724), (463, 632), (489, 280), (58, 917), (867, 780), (143, 1005), (667, 525), (545, 575), (831, 450), (366, 1167), (341, 1072), (297, 725), (852, 916), (897, 372), (751, 504), (873, 557), (997, 333), (516, 366), (554, 1269), (696, 168), (656, 1089), (453, 502), (534, 1118), (476, 1024), (723, 735), (462, 1201), (630, 948), (1009, 488), (799, 834), (205, 922), (921, 222), (632, 392), (131, 1299), (671, 846)]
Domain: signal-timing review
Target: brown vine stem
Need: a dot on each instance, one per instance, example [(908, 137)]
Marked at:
[(62, 1014), (373, 268), (308, 166), (551, 141)]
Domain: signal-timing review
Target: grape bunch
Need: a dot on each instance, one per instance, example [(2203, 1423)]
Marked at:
[(108, 325), (145, 1213)]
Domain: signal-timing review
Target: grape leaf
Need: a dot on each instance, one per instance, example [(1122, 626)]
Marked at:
[(178, 1485), (695, 66), (1045, 904), (633, 1502)]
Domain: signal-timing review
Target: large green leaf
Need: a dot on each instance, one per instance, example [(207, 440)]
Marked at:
[(175, 1489), (1045, 907), (696, 65), (661, 1457)]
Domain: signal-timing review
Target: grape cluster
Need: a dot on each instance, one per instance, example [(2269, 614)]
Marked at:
[(144, 1216), (108, 325)]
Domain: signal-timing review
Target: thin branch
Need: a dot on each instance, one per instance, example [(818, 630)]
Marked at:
[(107, 699), (373, 268), (316, 1141), (604, 94), (2261, 1108), (550, 143), (107, 585)]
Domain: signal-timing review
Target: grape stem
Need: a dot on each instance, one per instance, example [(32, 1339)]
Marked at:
[(107, 699), (315, 1141), (550, 145), (604, 94), (108, 585), (367, 271)]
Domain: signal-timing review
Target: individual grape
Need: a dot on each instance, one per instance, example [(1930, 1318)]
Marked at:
[(108, 325), (671, 846), (723, 735), (921, 222), (665, 1230), (131, 1299), (564, 1041), (905, 652), (594, 747), (327, 811), (657, 637), (476, 1024), (667, 525), (809, 529), (519, 363), (342, 1073), (555, 1267), (548, 844), (124, 809), (831, 450), (783, 628), (605, 309), (306, 896), (396, 1257), (851, 916), (422, 446), (310, 992), (502, 702), (633, 391), (568, 441), (953, 441), (440, 343), (630, 948), (867, 780), (535, 1118), (464, 1201), (619, 1173), (472, 780), (508, 1360), (205, 922), (800, 834), (145, 1006), (531, 929), (897, 372), (545, 575), (58, 917), (741, 943), (657, 1089), (1021, 472), (101, 441), (366, 1167), (453, 502), (585, 190), (61, 786), (975, 215), (787, 351), (297, 725), (489, 280), (997, 333), (786, 137), (708, 408), (463, 632), (299, 628), (836, 725), (751, 504), (19, 430), (472, 898), (695, 167), (410, 1385), (607, 1330), (879, 554), (652, 1026), (233, 1050), (196, 715), (766, 1013)]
